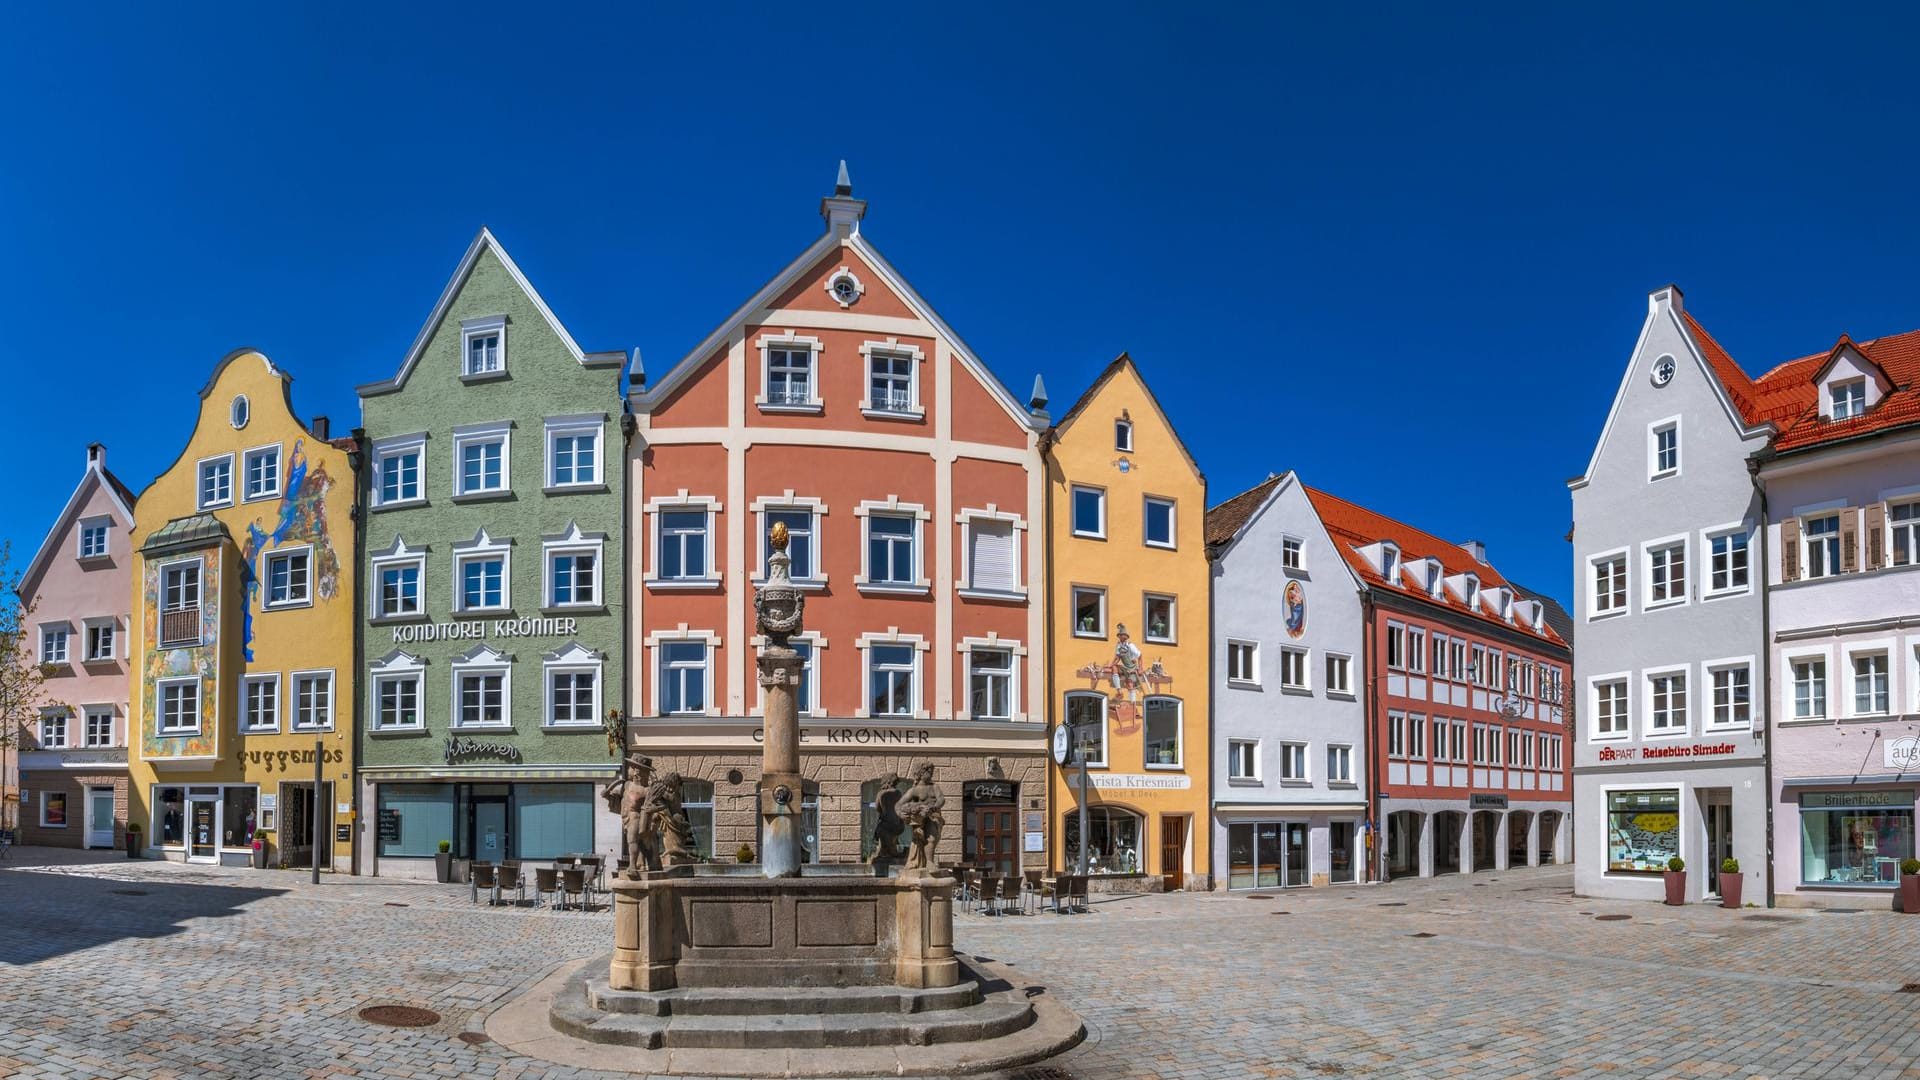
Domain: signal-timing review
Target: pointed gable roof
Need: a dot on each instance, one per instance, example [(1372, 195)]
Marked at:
[(1123, 362), (96, 473), (1225, 521)]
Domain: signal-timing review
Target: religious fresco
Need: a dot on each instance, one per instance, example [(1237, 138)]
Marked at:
[(302, 518), (200, 660), (1296, 609), (1129, 679)]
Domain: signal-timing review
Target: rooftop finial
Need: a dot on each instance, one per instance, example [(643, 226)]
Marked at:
[(842, 211), (842, 184)]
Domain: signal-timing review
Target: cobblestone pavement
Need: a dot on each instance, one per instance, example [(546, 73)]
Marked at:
[(112, 968)]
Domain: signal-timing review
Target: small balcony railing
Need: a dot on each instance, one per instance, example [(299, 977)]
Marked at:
[(788, 395), (892, 400), (180, 626)]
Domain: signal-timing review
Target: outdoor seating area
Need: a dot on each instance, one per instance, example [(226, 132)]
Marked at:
[(573, 882), (985, 893)]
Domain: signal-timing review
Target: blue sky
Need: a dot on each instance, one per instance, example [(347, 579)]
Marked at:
[(1404, 250)]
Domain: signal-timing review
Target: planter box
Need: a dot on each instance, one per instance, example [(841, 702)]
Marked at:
[(1676, 882), (1730, 889), (443, 867), (1910, 893)]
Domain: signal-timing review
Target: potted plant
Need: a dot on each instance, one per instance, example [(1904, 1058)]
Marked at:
[(133, 839), (259, 852), (1676, 879), (745, 854), (1730, 883), (1910, 886), (443, 863)]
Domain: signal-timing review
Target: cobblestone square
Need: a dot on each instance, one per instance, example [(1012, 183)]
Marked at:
[(113, 968)]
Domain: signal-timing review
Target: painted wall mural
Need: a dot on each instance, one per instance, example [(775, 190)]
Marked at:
[(1296, 608), (1129, 678), (302, 518), (202, 661)]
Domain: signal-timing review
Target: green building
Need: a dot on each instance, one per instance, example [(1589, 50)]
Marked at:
[(494, 606)]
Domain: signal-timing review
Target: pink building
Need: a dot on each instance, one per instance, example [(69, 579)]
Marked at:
[(73, 757)]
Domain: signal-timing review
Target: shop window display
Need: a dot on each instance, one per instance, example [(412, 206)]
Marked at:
[(1115, 840), (237, 817), (1855, 837), (1643, 831), (171, 809)]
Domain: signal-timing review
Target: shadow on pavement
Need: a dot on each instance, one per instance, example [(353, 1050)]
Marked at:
[(52, 914)]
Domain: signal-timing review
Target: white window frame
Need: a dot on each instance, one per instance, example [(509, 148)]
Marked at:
[(1295, 549), (1647, 677), (1305, 685), (891, 349), (61, 632), (1886, 649), (1683, 580), (88, 629), (1252, 679), (397, 667), (1073, 511), (1790, 686), (1179, 762), (1250, 749), (1707, 558), (55, 718), (893, 636), (250, 722), (103, 526), (1289, 753), (559, 427), (967, 520), (1106, 724), (200, 499), (789, 503), (1073, 610), (294, 681), (1857, 407), (1016, 660), (398, 556), (305, 597), (471, 435), (481, 327), (91, 713), (577, 659), (1343, 778), (482, 546), (788, 342), (160, 687), (682, 502), (573, 542), (1147, 503), (1710, 720), (1911, 526), (1808, 541), (1172, 637), (656, 643), (1343, 662), (1416, 650), (810, 706), (481, 660), (246, 473), (1624, 557), (1654, 430), (399, 446), (893, 507)]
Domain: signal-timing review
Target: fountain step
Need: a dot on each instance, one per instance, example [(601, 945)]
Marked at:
[(987, 1020), (780, 1001)]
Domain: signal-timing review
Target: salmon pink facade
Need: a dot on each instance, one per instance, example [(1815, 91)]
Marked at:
[(836, 402)]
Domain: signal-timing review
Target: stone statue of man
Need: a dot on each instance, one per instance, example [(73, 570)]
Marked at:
[(886, 830), (920, 806), (626, 796)]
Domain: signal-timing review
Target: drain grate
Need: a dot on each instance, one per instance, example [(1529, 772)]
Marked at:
[(475, 1038), (1611, 918), (1040, 1072), (392, 904), (1394, 903), (1843, 911), (1259, 896), (1282, 913), (128, 892), (1768, 918), (1421, 934), (399, 1016)]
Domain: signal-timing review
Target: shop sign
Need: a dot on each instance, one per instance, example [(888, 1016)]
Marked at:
[(1134, 781), (462, 748), (1902, 753), (989, 791), (1656, 753), (389, 826), (1478, 801), (343, 834), (1810, 800), (852, 736), (480, 629), (282, 760), (1036, 841)]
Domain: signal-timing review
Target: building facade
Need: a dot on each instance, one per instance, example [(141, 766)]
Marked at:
[(494, 584), (72, 780), (836, 401), (1290, 778), (1671, 755), (1129, 623), (241, 645)]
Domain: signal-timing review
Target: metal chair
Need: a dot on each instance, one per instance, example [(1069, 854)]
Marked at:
[(508, 877), (1077, 895), (1033, 886), (573, 882), (483, 877), (546, 882), (1010, 899)]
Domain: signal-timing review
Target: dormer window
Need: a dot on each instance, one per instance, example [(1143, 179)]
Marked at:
[(1849, 398), (1470, 590), (1389, 561), (1123, 436), (483, 348)]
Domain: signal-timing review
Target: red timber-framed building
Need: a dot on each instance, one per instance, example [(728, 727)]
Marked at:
[(835, 400), (1465, 690)]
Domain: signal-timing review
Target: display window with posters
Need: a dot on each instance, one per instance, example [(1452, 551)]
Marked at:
[(53, 809), (1643, 830), (1855, 837)]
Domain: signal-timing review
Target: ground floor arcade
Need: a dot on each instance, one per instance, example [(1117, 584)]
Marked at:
[(1427, 837)]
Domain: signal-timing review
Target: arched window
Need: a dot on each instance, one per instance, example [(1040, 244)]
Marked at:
[(696, 801), (1087, 727), (1163, 743), (870, 817), (1115, 840)]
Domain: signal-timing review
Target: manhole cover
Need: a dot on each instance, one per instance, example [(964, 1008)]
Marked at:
[(129, 892), (1611, 918), (1394, 903), (1259, 896), (1422, 933), (474, 1038), (399, 1016)]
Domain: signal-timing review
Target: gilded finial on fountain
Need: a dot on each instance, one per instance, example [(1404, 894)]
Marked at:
[(778, 536)]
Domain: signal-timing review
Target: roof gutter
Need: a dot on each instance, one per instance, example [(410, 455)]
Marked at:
[(1754, 464)]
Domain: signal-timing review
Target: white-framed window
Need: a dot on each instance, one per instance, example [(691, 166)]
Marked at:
[(102, 639), (397, 574), (1292, 553), (1396, 646), (1086, 713), (1730, 682), (1416, 747), (1339, 764), (260, 469), (1160, 619), (805, 521), (179, 706), (99, 730), (1809, 687), (892, 671), (990, 554), (1903, 532), (481, 456), (1416, 650), (1243, 662), (1870, 692), (1162, 732), (1293, 669), (216, 481), (482, 689), (397, 465), (1667, 702), (990, 682), (1727, 561), (1158, 525), (1243, 759), (893, 380), (180, 603), (1089, 611), (1457, 657), (574, 456), (397, 694), (1293, 763), (1396, 735), (1663, 448), (1340, 673), (572, 679), (789, 373), (684, 673), (312, 701), (55, 643), (482, 575), (1440, 652), (93, 538), (483, 347), (573, 575), (1666, 572), (53, 729), (1123, 435), (683, 542), (1849, 398), (260, 704), (891, 552), (1607, 581), (1089, 507), (1820, 541), (290, 577)]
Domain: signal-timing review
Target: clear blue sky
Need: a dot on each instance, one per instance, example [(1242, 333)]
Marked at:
[(1402, 249)]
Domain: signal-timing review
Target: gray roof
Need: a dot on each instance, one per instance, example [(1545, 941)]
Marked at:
[(199, 530), (1556, 615)]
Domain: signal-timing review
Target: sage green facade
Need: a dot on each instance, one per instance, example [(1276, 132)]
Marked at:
[(542, 768)]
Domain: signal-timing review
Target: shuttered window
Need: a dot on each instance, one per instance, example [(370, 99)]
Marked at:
[(992, 562)]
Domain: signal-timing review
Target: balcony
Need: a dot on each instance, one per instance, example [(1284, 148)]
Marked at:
[(180, 627), (893, 401)]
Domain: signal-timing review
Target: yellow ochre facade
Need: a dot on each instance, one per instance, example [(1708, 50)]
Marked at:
[(241, 650), (1128, 631)]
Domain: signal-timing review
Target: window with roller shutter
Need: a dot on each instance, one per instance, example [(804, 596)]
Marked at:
[(992, 558)]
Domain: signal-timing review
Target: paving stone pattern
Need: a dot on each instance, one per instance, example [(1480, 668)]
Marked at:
[(111, 968)]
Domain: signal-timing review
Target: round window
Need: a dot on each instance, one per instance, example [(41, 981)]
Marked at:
[(240, 411)]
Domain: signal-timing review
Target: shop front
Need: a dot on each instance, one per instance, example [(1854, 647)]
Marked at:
[(1637, 822), (208, 823), (1281, 847), (488, 816), (1847, 843), (73, 798)]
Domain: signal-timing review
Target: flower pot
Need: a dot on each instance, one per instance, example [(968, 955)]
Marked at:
[(1910, 893), (443, 867), (1729, 890), (260, 856), (133, 845), (1676, 887)]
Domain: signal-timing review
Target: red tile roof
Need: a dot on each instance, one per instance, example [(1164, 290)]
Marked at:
[(1353, 526)]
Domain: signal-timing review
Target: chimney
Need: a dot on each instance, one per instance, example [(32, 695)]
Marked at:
[(322, 428), (1477, 549), (96, 455), (842, 211)]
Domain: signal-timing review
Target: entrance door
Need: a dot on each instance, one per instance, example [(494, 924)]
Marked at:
[(100, 817), (1719, 821), (297, 821), (1296, 855), (991, 827), (489, 829), (1267, 855), (203, 829), (1173, 852)]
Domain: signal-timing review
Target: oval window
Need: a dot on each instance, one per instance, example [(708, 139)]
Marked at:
[(240, 411)]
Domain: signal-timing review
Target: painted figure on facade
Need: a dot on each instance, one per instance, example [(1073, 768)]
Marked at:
[(920, 808), (302, 518), (889, 823), (1130, 678), (1296, 609)]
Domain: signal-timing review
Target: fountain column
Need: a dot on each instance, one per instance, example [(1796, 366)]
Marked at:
[(777, 612)]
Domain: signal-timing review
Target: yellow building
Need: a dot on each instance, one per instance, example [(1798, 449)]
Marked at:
[(1128, 631), (243, 632)]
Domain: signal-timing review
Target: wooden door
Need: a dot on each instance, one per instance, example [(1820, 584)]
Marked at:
[(1173, 852), (995, 838)]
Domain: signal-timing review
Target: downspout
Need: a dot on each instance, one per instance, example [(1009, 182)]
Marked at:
[(1377, 865), (1766, 662), (1055, 851), (362, 488)]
